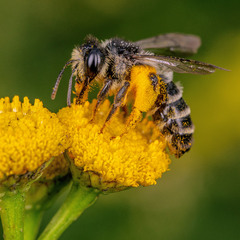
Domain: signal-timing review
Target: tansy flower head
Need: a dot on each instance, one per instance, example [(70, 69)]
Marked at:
[(29, 136), (112, 164)]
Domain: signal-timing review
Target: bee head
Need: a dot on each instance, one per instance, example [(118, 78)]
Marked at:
[(93, 57)]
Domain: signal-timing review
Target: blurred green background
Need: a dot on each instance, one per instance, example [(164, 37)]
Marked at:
[(199, 198)]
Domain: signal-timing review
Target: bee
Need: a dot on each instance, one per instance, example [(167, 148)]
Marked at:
[(128, 70)]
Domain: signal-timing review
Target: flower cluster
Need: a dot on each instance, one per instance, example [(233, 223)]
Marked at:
[(39, 149)]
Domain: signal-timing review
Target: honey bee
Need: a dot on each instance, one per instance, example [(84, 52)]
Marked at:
[(128, 70)]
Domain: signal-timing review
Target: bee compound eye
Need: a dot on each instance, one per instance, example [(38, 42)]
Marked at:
[(94, 60)]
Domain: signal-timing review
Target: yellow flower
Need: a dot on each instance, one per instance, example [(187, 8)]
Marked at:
[(30, 135), (112, 164)]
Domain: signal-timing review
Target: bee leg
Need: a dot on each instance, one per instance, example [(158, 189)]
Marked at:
[(118, 101), (134, 118), (78, 85), (83, 94), (101, 95)]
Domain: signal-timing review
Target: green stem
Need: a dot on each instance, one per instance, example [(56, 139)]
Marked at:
[(32, 221), (77, 201), (41, 196), (12, 215)]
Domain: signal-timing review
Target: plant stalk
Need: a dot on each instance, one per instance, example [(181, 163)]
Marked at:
[(78, 199), (12, 214)]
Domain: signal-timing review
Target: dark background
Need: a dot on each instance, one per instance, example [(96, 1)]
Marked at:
[(199, 198)]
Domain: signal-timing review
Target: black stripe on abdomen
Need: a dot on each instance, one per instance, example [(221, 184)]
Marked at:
[(177, 109)]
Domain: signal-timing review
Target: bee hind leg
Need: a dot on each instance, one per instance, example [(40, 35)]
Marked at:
[(134, 118)]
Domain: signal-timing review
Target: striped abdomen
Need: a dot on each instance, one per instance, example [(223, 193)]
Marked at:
[(174, 121)]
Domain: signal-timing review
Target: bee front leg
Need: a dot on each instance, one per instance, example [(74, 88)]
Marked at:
[(118, 101), (82, 95), (101, 95)]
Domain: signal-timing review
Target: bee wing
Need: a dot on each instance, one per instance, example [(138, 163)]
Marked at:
[(173, 42), (179, 65)]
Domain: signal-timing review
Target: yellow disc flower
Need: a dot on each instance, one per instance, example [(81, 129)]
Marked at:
[(30, 135), (109, 162)]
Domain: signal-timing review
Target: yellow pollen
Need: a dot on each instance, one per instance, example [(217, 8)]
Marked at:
[(136, 158), (29, 136)]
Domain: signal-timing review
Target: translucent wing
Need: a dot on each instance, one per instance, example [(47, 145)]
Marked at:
[(173, 42), (179, 65)]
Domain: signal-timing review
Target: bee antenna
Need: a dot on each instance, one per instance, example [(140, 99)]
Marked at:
[(70, 86), (54, 92)]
